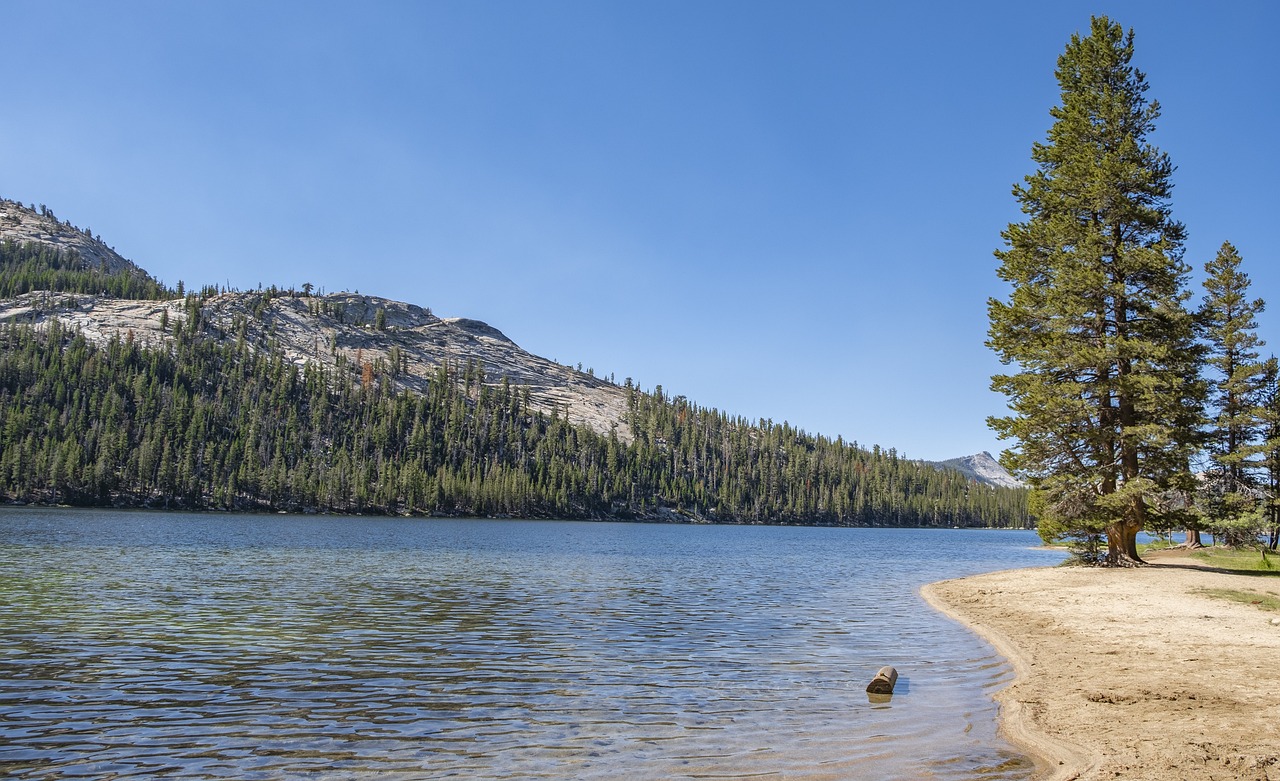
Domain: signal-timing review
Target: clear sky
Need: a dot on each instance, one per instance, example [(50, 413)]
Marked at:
[(780, 209)]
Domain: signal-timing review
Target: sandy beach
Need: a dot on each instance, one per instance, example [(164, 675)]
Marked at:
[(1132, 673)]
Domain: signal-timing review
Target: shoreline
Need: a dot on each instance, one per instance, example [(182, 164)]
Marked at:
[(1130, 673), (1055, 760)]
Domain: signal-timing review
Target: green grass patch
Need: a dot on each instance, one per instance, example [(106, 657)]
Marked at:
[(1239, 560), (1264, 601)]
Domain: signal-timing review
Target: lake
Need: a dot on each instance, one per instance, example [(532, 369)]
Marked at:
[(211, 646)]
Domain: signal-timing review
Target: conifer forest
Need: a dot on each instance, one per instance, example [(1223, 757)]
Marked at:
[(216, 421)]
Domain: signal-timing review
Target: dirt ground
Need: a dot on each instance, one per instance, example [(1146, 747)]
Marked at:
[(1132, 673)]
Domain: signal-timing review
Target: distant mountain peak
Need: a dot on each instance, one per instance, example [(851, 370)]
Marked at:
[(984, 468)]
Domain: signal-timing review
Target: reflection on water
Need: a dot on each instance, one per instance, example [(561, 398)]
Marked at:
[(242, 647)]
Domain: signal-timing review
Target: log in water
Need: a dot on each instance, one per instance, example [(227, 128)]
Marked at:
[(884, 681)]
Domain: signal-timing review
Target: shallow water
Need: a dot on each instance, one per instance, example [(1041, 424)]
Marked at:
[(220, 646)]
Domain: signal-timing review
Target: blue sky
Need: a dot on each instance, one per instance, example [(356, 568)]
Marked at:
[(784, 210)]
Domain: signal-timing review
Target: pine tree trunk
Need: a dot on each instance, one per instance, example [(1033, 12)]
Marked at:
[(1131, 542), (1122, 537), (1122, 544), (1193, 539)]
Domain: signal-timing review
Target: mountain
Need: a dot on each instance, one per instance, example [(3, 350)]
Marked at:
[(115, 390), (984, 468), (339, 329)]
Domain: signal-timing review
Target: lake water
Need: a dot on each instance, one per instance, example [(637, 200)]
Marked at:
[(142, 645)]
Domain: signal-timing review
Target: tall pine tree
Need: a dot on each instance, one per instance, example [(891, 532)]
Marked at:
[(1095, 330), (1237, 431)]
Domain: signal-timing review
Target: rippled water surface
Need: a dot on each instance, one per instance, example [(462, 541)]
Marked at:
[(141, 645)]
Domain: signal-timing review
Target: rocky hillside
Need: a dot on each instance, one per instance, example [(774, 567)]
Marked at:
[(344, 330), (22, 224), (337, 329)]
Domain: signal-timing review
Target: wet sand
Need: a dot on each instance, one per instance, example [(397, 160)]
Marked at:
[(1132, 673)]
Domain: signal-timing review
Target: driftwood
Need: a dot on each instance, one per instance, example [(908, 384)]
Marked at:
[(884, 681)]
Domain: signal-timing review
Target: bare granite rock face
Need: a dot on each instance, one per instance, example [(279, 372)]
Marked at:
[(340, 331), (23, 224), (414, 343), (984, 468)]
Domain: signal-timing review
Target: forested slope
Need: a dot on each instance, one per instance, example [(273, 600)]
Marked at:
[(213, 418)]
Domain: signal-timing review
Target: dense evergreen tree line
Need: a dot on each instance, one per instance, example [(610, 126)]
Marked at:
[(216, 423), (767, 472), (34, 266)]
